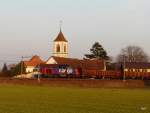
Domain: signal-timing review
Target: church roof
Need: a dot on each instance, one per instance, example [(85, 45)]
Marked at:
[(85, 63), (60, 37), (69, 61)]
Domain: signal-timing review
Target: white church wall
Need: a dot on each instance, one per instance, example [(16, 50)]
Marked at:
[(51, 61)]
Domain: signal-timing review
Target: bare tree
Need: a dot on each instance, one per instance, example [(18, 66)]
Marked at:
[(132, 54)]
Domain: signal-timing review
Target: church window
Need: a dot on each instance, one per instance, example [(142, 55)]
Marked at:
[(58, 48), (65, 48)]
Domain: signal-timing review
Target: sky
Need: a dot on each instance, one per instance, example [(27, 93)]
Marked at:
[(28, 27)]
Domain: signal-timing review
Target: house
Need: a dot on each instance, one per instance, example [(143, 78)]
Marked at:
[(137, 67), (32, 63)]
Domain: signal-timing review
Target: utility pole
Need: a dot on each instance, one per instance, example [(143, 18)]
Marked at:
[(21, 65), (124, 67), (21, 70)]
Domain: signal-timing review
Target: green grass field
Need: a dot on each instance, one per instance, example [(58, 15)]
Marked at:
[(44, 99)]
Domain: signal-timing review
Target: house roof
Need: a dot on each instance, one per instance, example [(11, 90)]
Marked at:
[(77, 63), (133, 65), (60, 37), (93, 64), (34, 61), (137, 65)]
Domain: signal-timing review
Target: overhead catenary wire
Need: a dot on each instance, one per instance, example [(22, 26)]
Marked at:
[(14, 61)]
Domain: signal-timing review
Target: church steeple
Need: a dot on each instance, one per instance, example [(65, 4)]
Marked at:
[(60, 48), (60, 37)]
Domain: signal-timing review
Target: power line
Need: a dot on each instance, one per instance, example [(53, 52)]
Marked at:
[(9, 60), (18, 59)]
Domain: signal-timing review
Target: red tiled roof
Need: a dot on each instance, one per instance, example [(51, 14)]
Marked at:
[(94, 64), (133, 65), (60, 37), (69, 61), (34, 61), (137, 65), (77, 63)]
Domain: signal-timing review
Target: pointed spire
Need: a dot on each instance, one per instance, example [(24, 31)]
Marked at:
[(60, 36), (60, 25)]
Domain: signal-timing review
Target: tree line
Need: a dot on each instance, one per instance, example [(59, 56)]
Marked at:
[(127, 54), (13, 71)]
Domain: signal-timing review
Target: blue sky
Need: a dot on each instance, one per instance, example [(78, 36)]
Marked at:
[(28, 27)]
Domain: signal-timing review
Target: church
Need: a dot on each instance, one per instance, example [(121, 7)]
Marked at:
[(60, 56)]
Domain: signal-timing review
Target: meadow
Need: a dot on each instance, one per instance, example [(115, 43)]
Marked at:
[(48, 99)]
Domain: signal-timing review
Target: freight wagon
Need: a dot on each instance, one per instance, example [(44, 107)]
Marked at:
[(65, 71)]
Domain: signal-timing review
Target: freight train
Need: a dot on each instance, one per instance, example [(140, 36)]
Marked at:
[(65, 71)]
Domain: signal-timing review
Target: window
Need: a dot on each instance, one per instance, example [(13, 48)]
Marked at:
[(58, 48), (65, 48)]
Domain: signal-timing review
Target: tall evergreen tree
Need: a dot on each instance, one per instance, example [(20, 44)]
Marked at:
[(4, 69), (97, 52), (5, 72)]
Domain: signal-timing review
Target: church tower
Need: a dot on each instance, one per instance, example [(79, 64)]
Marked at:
[(60, 47)]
